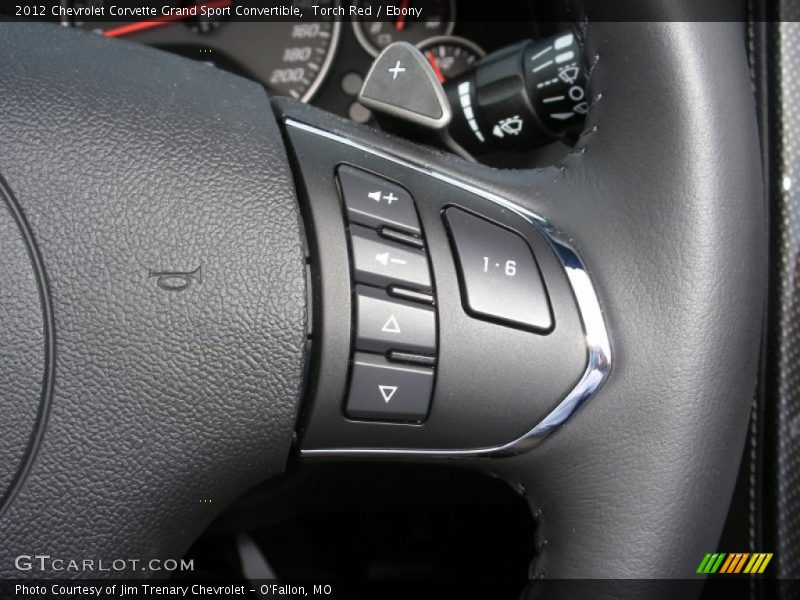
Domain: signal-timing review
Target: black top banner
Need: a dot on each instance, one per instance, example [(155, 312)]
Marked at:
[(86, 11)]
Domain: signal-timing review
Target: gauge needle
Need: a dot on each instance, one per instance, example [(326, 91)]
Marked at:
[(436, 68), (400, 23), (158, 22)]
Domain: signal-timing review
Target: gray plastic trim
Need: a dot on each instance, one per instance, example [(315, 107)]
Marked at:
[(598, 364)]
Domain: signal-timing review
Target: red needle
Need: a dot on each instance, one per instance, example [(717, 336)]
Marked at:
[(159, 21), (401, 19), (435, 64)]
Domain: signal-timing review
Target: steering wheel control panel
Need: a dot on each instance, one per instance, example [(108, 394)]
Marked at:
[(392, 370), (444, 319)]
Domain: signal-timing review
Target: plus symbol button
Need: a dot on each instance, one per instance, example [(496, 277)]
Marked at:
[(396, 70)]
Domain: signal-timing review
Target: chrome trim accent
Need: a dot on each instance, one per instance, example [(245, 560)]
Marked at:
[(598, 363)]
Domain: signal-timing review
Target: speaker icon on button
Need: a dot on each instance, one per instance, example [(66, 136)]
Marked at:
[(385, 259)]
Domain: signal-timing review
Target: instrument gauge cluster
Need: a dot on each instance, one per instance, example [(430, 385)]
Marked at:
[(321, 58), (290, 58), (412, 21), (450, 56)]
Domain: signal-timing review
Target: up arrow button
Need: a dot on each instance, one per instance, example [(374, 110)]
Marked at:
[(402, 84), (384, 323), (391, 325)]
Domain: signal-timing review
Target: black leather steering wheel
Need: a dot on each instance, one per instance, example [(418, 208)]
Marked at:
[(155, 302)]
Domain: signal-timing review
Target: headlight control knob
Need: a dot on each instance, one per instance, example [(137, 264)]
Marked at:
[(519, 97), (513, 100)]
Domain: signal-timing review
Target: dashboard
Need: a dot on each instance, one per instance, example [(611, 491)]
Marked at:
[(322, 61)]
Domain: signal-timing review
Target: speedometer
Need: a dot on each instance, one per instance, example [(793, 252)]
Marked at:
[(289, 58)]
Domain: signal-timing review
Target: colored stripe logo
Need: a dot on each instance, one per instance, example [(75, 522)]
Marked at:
[(734, 562)]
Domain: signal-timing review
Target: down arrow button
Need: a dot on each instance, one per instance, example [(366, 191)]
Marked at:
[(385, 391)]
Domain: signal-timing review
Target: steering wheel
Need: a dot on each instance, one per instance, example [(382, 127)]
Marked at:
[(181, 302)]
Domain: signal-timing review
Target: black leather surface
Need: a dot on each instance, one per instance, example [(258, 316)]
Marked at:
[(22, 343), (779, 454), (166, 405), (663, 198), (639, 483)]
